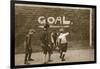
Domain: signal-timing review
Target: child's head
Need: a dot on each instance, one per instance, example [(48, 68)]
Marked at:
[(31, 31)]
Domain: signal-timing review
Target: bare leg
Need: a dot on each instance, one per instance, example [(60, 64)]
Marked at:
[(60, 54), (26, 60), (49, 57), (30, 53), (45, 58), (29, 56), (63, 56)]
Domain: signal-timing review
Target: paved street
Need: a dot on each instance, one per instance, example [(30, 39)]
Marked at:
[(71, 56)]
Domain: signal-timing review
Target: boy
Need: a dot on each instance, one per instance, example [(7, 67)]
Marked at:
[(28, 47), (62, 43), (46, 44)]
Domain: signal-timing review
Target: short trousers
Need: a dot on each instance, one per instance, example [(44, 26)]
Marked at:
[(47, 49), (28, 50), (63, 47)]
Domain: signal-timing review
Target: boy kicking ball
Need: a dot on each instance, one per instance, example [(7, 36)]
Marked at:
[(62, 43)]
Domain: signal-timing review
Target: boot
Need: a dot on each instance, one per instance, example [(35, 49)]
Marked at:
[(26, 62), (63, 59)]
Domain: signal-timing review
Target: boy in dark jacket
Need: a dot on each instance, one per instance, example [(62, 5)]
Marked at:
[(28, 47), (46, 44)]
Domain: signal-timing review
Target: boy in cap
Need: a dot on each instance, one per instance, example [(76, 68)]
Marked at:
[(28, 47), (46, 46)]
